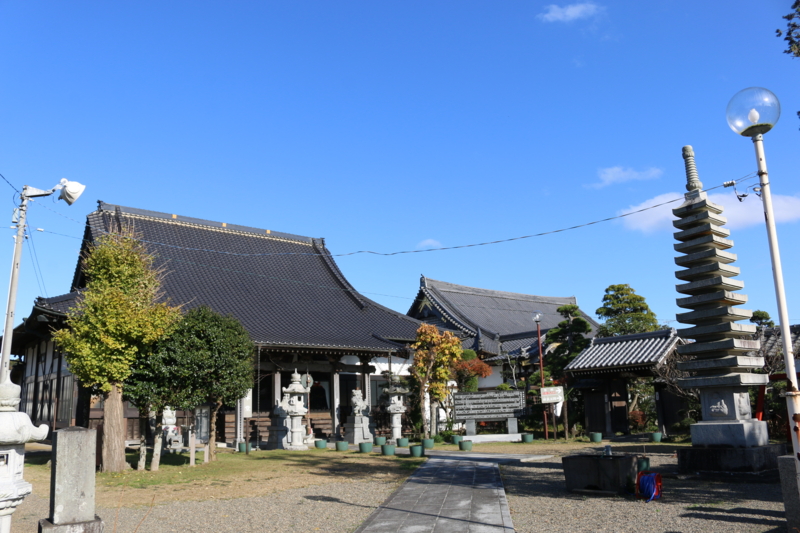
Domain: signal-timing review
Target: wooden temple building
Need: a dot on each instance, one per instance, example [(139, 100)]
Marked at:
[(497, 325), (604, 369), (285, 289)]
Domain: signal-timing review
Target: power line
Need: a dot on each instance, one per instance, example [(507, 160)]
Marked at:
[(36, 270), (9, 184), (443, 248), (36, 260)]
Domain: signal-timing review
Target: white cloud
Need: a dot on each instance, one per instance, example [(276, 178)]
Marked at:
[(739, 214), (429, 243), (568, 13), (612, 175)]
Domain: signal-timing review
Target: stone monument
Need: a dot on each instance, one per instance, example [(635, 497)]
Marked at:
[(507, 406), (16, 429), (358, 427), (719, 365), (295, 408), (72, 484), (280, 426), (396, 408)]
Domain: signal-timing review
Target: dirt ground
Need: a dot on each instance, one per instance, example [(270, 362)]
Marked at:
[(233, 476)]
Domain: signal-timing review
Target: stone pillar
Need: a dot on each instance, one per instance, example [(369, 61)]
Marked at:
[(719, 365), (276, 387), (72, 483)]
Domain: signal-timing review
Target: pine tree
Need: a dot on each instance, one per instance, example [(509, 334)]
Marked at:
[(625, 313)]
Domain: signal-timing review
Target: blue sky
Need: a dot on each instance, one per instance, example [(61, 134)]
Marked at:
[(399, 126)]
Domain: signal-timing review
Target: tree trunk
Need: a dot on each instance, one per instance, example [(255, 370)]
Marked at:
[(425, 412), (113, 431), (143, 419), (212, 433), (158, 443)]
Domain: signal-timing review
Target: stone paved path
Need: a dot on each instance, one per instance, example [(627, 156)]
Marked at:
[(445, 496)]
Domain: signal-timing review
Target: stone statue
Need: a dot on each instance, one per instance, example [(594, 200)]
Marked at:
[(358, 427), (360, 405)]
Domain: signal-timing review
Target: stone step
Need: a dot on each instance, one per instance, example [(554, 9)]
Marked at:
[(698, 231), (716, 283), (705, 256), (717, 331), (704, 217), (707, 271), (715, 314), (707, 300), (704, 242), (720, 347), (732, 379), (703, 204), (722, 363)]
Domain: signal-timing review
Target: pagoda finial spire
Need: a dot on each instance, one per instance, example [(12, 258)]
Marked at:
[(693, 182)]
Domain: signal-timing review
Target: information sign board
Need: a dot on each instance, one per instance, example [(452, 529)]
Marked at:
[(552, 394), (489, 405)]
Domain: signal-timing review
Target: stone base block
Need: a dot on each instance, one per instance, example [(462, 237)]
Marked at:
[(498, 437), (93, 526), (791, 496), (358, 429), (728, 460), (733, 433), (616, 473)]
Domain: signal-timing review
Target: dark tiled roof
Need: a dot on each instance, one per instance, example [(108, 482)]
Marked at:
[(488, 318), (285, 289), (625, 351), (772, 341), (58, 304)]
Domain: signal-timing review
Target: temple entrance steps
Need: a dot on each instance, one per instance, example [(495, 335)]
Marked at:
[(321, 424)]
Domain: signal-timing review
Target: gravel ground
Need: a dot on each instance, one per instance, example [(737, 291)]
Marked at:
[(539, 501), (329, 508), (536, 495)]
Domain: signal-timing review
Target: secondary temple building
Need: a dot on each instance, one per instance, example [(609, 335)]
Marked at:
[(497, 325), (285, 289)]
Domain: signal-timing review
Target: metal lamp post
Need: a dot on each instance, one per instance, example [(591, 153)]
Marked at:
[(16, 428), (752, 112), (537, 317)]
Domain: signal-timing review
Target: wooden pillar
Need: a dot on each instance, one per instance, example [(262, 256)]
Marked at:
[(607, 397), (335, 402), (365, 380)]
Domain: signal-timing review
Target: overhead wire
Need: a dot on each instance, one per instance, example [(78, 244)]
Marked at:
[(438, 249), (37, 266), (36, 271), (245, 272)]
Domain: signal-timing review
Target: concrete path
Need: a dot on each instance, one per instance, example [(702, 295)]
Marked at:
[(445, 496)]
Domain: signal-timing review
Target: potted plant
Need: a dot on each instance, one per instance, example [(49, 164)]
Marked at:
[(365, 447)]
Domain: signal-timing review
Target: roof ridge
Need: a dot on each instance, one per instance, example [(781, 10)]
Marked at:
[(201, 223), (477, 291), (635, 336)]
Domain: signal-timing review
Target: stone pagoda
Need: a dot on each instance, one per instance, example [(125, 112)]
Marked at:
[(719, 364)]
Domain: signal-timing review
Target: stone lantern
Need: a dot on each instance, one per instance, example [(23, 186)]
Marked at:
[(396, 408), (295, 408), (16, 430)]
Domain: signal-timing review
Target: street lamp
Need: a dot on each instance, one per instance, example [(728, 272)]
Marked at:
[(16, 428), (752, 112), (537, 317)]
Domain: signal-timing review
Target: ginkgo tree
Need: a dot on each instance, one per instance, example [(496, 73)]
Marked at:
[(118, 318), (435, 355)]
